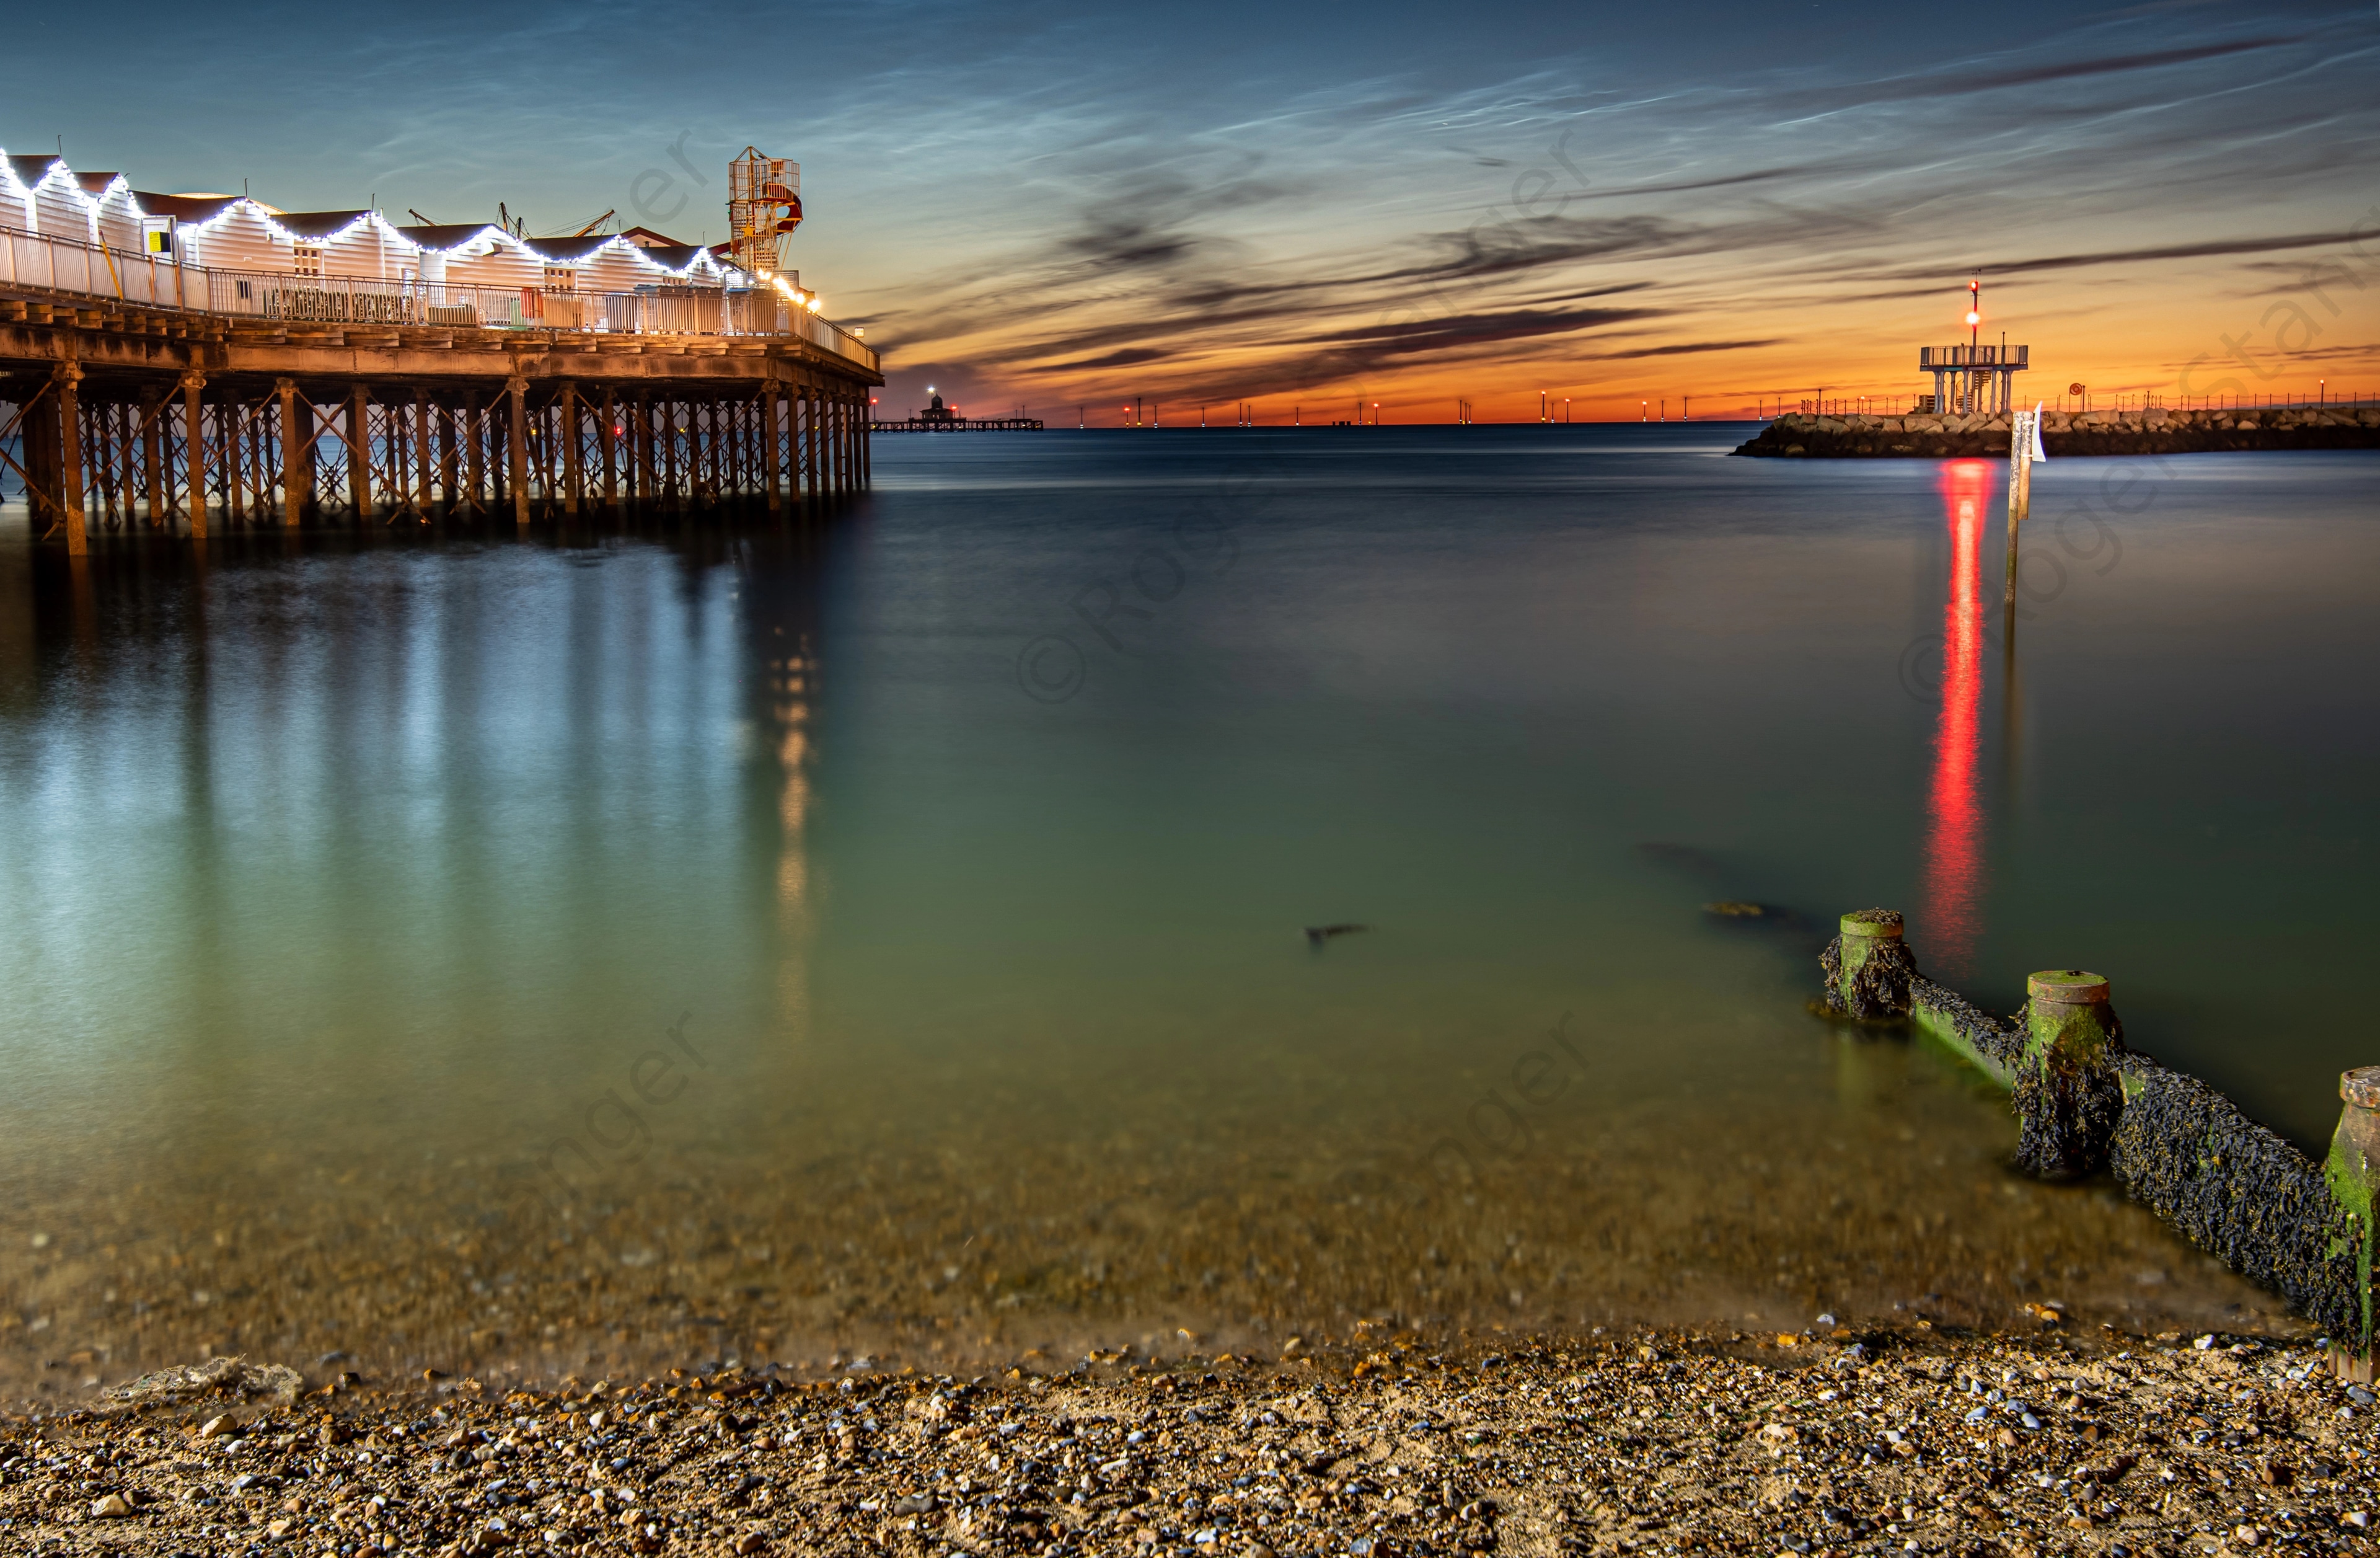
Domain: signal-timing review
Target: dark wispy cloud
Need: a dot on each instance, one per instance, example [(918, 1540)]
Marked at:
[(1392, 236), (1967, 81), (1681, 348), (2212, 249), (1050, 204)]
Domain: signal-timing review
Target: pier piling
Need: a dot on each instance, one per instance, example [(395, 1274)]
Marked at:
[(166, 420)]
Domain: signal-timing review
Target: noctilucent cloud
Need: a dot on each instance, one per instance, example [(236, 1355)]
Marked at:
[(1313, 208)]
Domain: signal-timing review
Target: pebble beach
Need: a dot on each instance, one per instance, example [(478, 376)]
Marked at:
[(1823, 1441)]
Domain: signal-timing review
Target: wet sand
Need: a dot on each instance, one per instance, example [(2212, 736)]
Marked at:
[(964, 1235)]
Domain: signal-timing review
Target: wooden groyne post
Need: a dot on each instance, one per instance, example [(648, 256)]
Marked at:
[(2067, 1090), (2084, 1098), (2351, 1170)]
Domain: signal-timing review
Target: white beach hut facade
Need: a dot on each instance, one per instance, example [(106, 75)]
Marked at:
[(235, 254)]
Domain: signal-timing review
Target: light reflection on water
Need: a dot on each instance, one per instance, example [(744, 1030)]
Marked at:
[(1954, 809), (359, 886)]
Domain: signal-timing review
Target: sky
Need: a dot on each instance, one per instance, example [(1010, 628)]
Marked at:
[(1309, 210)]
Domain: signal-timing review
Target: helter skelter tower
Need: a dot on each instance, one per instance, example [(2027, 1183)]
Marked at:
[(764, 206)]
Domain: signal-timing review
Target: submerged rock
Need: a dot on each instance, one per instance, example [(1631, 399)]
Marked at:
[(1317, 934), (217, 1374)]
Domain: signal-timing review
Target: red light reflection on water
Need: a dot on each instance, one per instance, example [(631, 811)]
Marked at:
[(1954, 813)]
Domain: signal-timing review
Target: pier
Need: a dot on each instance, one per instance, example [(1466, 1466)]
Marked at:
[(961, 424), (142, 390), (939, 417)]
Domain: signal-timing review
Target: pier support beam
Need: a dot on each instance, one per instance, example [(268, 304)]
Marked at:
[(572, 471), (360, 472), (152, 463), (610, 436), (189, 444), (769, 420), (666, 420), (295, 482), (233, 417), (842, 446), (194, 446), (808, 440), (424, 470), (517, 452), (68, 402), (640, 449)]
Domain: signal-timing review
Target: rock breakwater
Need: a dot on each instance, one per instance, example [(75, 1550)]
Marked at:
[(2153, 432)]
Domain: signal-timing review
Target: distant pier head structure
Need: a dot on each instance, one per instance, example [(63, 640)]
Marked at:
[(939, 417), (1977, 378), (175, 362)]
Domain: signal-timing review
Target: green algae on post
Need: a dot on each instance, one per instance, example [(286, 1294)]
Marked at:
[(2084, 1100), (2349, 1174), (2066, 1092), (1868, 967)]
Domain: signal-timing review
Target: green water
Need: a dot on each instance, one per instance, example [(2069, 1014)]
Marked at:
[(888, 935)]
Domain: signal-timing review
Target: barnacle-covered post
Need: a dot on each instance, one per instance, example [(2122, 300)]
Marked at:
[(2353, 1166), (1868, 967), (2069, 1093)]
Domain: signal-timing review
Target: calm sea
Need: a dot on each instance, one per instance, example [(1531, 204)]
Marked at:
[(889, 935)]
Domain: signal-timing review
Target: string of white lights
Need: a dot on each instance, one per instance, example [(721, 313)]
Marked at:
[(700, 268)]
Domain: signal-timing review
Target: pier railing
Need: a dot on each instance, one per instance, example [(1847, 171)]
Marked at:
[(35, 261)]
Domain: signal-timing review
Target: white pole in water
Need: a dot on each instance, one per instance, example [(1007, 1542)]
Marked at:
[(2024, 448)]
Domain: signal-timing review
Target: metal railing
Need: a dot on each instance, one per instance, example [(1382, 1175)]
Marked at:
[(37, 261), (1930, 358)]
